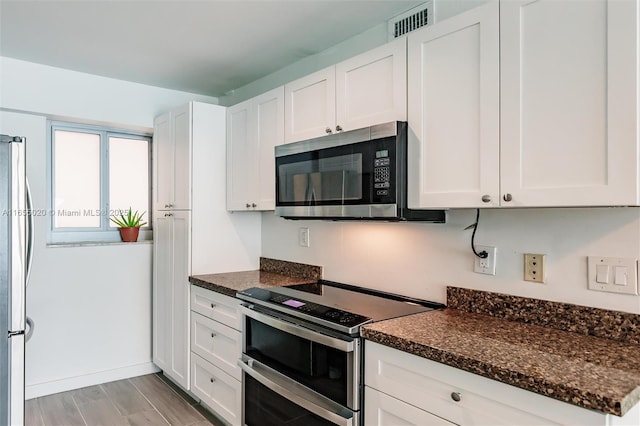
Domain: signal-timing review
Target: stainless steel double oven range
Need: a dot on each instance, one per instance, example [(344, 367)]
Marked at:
[(302, 352)]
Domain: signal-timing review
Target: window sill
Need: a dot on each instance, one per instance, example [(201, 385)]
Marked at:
[(95, 244)]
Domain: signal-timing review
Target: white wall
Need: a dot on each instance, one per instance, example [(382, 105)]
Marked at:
[(91, 305), (420, 260)]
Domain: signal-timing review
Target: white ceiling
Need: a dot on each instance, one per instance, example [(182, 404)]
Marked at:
[(207, 47)]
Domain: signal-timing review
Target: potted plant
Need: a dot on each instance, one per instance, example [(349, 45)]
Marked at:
[(129, 225)]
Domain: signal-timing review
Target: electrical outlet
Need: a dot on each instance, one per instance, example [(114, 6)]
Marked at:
[(488, 264), (303, 237), (534, 268)]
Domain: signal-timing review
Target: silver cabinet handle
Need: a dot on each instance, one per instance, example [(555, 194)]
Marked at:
[(507, 197), (254, 205), (456, 396), (486, 198), (213, 305), (213, 335), (328, 130), (213, 380), (338, 128), (248, 205), (168, 206), (168, 214)]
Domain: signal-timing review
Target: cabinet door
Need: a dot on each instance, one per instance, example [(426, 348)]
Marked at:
[(383, 410), (181, 123), (171, 294), (180, 311), (218, 344), (242, 158), (217, 390), (162, 287), (268, 124), (310, 106), (372, 88), (453, 111), (162, 162), (569, 102)]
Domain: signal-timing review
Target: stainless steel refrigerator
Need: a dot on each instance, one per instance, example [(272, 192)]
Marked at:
[(15, 261)]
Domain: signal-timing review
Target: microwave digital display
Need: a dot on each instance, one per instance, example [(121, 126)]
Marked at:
[(382, 154)]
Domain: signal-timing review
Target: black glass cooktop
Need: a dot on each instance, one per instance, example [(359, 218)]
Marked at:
[(338, 306)]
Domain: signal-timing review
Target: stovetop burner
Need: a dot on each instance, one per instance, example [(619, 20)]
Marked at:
[(341, 307)]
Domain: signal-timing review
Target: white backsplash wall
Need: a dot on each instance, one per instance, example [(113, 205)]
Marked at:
[(420, 260)]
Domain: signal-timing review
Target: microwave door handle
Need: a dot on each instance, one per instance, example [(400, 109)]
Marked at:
[(296, 393)]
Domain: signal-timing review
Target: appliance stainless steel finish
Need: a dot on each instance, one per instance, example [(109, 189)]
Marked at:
[(359, 174), (302, 350), (15, 258)]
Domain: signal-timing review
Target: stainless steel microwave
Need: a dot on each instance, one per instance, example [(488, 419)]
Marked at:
[(359, 174)]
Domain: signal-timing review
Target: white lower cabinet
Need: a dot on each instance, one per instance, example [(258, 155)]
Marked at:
[(407, 389), (216, 389), (219, 344), (216, 347), (384, 410)]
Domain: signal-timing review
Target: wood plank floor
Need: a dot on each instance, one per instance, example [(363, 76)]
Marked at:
[(149, 400)]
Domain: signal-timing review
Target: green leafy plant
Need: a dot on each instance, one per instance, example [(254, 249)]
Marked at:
[(130, 220)]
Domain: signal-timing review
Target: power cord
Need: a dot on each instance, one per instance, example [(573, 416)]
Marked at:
[(483, 254)]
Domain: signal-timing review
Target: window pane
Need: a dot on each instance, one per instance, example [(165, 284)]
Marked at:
[(77, 179), (129, 175)]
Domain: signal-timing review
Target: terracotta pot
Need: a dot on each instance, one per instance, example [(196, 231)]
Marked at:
[(129, 235)]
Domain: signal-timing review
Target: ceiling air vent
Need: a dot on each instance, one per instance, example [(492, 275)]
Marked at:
[(411, 20)]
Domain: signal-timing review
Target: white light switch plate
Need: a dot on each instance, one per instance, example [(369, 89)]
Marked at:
[(620, 269)]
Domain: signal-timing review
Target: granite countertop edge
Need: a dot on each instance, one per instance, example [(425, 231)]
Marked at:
[(212, 286), (580, 397)]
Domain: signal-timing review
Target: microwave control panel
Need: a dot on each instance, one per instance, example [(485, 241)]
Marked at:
[(382, 173)]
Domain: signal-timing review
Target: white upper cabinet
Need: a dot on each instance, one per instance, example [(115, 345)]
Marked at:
[(241, 175), (569, 102), (371, 88), (453, 110), (254, 128), (367, 89), (310, 106), (172, 155), (560, 126)]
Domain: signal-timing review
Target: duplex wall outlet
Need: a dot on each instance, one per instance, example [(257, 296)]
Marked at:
[(485, 265), (613, 274), (303, 237), (534, 268)]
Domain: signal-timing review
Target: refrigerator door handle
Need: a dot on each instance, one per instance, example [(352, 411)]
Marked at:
[(30, 232), (18, 238), (32, 326)]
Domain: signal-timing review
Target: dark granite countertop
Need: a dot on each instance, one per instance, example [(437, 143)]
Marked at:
[(232, 282), (272, 273), (588, 371)]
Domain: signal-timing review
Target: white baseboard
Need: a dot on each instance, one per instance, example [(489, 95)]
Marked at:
[(70, 383)]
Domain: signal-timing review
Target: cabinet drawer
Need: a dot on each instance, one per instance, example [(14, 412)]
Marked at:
[(384, 410), (217, 390), (216, 343), (429, 385), (216, 306)]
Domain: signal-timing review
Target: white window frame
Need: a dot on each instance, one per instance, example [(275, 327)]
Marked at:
[(107, 232)]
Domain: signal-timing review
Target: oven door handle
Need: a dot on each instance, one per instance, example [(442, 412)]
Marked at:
[(297, 393), (296, 330)]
